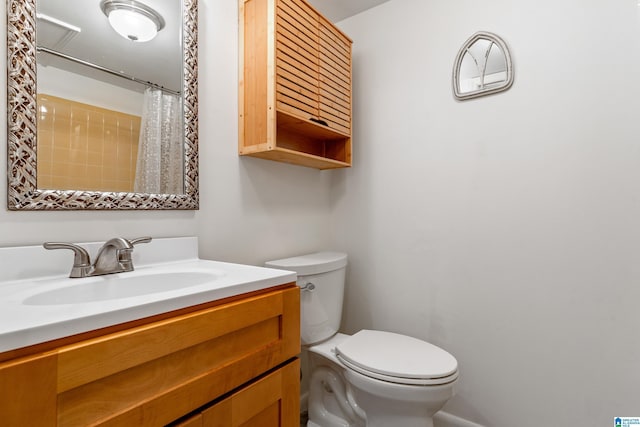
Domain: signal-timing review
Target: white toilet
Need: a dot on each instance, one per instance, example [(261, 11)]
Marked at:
[(372, 378)]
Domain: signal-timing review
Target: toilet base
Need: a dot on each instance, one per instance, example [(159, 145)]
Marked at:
[(398, 405), (340, 397), (429, 423)]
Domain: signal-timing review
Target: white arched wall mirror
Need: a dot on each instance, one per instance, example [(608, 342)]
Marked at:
[(483, 66)]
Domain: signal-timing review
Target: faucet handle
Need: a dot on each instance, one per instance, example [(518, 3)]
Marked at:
[(124, 255), (81, 259), (139, 240)]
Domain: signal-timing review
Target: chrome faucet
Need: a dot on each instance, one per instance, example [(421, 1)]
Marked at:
[(113, 257)]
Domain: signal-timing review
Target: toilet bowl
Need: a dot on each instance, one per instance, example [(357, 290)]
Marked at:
[(371, 378)]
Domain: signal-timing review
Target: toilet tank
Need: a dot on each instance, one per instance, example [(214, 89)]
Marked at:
[(321, 280)]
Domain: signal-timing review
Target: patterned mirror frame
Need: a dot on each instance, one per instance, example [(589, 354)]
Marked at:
[(23, 193)]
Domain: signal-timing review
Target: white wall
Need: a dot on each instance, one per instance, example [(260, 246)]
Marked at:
[(251, 210), (504, 229)]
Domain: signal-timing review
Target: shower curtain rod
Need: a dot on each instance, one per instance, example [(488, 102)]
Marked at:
[(101, 68)]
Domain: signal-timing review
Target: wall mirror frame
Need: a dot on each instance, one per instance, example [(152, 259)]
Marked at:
[(23, 193), (482, 67)]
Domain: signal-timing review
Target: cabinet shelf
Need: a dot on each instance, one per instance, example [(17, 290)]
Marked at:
[(305, 143)]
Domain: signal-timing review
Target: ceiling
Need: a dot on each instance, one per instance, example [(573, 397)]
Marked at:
[(158, 61), (337, 10)]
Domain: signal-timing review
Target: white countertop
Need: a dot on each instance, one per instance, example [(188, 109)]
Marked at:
[(23, 324)]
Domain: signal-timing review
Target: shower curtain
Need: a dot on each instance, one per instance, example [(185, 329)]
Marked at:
[(160, 164)]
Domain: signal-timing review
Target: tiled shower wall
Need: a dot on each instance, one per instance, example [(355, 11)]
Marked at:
[(84, 147)]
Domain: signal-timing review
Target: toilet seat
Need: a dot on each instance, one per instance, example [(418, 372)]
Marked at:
[(397, 358)]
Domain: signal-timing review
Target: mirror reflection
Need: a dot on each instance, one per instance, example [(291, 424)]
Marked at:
[(109, 102), (483, 66), (84, 88)]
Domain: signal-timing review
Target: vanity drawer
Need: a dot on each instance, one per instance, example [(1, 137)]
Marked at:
[(271, 401), (155, 373)]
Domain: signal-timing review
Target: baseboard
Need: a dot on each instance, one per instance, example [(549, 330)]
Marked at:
[(445, 419)]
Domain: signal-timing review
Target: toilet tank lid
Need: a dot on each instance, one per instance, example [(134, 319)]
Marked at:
[(316, 263)]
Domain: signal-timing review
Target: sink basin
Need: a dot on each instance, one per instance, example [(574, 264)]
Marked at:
[(117, 286), (40, 303)]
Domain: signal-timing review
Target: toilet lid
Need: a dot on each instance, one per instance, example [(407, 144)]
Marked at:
[(397, 358)]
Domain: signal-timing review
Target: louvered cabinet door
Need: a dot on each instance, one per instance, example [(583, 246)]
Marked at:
[(297, 35), (334, 78)]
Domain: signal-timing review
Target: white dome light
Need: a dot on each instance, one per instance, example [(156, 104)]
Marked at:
[(132, 19)]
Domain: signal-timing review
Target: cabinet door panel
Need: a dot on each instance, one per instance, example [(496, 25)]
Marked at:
[(334, 102), (194, 421), (338, 74), (340, 64), (180, 364), (272, 401), (334, 78), (336, 124), (336, 94), (297, 94), (297, 101), (293, 89), (295, 40), (302, 80), (297, 61), (29, 391), (302, 9), (297, 37), (335, 116), (336, 38), (297, 104), (302, 27)]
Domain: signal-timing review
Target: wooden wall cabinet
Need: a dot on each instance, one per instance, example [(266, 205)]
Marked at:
[(229, 363), (295, 85)]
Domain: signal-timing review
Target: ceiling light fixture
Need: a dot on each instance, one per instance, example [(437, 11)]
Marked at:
[(132, 20)]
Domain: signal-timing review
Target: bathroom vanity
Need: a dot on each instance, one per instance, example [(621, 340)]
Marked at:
[(225, 361)]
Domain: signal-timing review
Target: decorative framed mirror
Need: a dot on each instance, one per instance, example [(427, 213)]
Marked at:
[(483, 66), (97, 123)]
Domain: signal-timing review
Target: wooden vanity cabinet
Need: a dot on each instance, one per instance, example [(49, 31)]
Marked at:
[(260, 404), (295, 85), (225, 363)]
